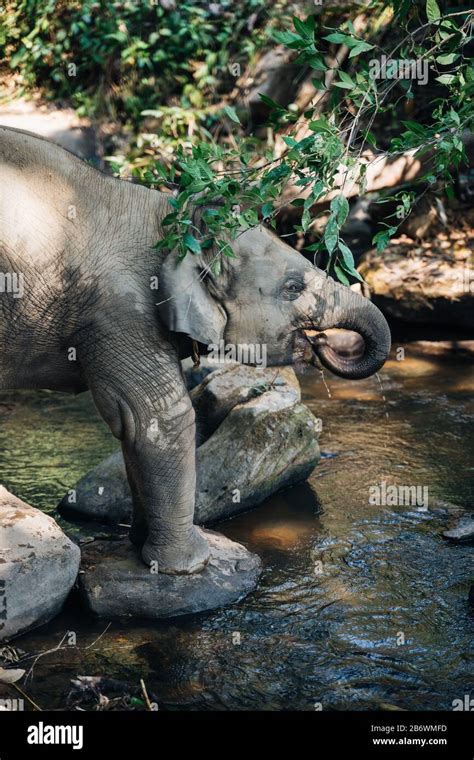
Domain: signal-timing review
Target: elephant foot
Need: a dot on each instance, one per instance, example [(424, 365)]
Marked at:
[(115, 583), (178, 558)]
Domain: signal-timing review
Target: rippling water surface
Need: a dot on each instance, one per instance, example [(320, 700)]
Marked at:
[(345, 583)]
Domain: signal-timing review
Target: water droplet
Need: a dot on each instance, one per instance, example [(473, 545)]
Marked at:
[(325, 383), (383, 394)]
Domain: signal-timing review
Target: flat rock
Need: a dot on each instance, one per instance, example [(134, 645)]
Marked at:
[(429, 282), (442, 347), (265, 440), (462, 531), (38, 566), (114, 582)]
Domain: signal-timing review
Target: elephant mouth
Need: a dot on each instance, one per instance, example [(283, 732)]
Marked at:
[(305, 346), (342, 345)]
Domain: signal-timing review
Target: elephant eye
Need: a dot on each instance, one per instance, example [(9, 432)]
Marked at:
[(292, 289)]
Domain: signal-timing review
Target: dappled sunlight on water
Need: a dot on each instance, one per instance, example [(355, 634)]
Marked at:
[(360, 605)]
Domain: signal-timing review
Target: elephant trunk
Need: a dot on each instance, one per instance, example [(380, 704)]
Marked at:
[(349, 310)]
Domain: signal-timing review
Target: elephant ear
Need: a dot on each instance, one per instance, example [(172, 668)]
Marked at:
[(185, 304)]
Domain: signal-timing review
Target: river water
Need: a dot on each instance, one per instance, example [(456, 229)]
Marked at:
[(360, 606)]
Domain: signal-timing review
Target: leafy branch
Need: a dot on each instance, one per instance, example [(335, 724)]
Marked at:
[(239, 186)]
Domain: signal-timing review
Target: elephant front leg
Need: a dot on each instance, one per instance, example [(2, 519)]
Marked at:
[(162, 463), (156, 428), (138, 533)]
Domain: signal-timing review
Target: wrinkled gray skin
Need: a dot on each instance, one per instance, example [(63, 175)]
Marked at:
[(83, 243)]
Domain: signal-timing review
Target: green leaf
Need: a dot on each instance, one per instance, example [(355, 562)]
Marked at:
[(361, 47), (348, 261), (432, 10), (317, 191), (216, 267), (292, 41), (370, 138), (305, 219), (340, 208), (191, 243), (209, 213), (320, 125), (314, 61), (447, 59), (286, 38), (345, 82), (341, 275), (318, 84), (230, 112), (446, 78), (304, 28), (226, 249), (331, 234), (346, 255), (169, 219), (413, 126), (455, 117), (117, 36), (270, 102), (382, 238), (340, 39)]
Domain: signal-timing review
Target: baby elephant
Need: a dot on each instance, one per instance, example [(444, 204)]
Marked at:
[(87, 302)]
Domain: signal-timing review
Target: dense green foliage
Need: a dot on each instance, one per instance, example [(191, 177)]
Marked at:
[(169, 62), (125, 56), (333, 143)]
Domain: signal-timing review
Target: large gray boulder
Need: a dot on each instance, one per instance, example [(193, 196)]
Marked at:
[(196, 374), (114, 582), (38, 566), (262, 446), (222, 390), (255, 439)]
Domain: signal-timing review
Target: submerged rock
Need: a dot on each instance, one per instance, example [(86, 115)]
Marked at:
[(116, 583), (38, 566), (257, 438), (462, 531)]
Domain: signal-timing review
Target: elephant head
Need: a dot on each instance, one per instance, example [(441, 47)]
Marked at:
[(270, 295)]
